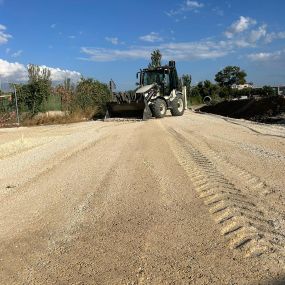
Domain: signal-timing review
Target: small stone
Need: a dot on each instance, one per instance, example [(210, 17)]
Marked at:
[(10, 186)]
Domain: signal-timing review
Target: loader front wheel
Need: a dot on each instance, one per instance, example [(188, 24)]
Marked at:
[(159, 108), (178, 106)]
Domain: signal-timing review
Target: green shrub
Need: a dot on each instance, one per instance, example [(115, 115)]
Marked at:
[(91, 95), (195, 100)]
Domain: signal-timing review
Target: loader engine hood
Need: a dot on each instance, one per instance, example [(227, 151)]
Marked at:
[(145, 88)]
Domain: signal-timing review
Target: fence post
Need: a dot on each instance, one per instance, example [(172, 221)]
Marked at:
[(16, 101), (184, 92)]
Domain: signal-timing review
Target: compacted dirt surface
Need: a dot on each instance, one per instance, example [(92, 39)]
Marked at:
[(197, 199)]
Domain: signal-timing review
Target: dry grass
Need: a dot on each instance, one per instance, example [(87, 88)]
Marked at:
[(67, 118)]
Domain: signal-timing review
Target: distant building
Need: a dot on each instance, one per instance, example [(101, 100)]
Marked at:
[(279, 90), (242, 86), (5, 100), (6, 96), (240, 98)]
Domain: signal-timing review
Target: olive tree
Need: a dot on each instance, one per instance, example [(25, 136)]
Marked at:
[(155, 59), (230, 75)]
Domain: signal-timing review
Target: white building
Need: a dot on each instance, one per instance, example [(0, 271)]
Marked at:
[(242, 86)]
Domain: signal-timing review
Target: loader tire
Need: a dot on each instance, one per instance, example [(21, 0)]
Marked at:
[(159, 108), (178, 106)]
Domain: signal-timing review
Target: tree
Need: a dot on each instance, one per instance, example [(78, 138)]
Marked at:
[(230, 75), (155, 59), (92, 96), (267, 91), (187, 79), (36, 73), (207, 88), (66, 93), (33, 94), (203, 89)]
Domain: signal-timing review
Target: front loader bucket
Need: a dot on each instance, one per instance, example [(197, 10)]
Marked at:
[(133, 110)]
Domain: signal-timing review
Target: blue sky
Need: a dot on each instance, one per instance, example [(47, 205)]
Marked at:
[(113, 39)]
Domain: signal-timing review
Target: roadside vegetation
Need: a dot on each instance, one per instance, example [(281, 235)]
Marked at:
[(222, 88), (42, 102)]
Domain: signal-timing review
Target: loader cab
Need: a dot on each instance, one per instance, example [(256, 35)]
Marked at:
[(165, 76)]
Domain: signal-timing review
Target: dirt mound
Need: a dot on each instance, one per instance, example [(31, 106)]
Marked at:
[(265, 110)]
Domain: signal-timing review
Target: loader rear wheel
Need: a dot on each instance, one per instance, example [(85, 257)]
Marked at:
[(178, 106), (159, 108)]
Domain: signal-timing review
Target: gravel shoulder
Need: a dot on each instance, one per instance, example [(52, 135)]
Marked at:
[(196, 199)]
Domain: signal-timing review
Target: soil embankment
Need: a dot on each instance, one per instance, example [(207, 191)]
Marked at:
[(264, 110)]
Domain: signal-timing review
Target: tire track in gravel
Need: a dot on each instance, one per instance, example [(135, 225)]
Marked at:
[(252, 182), (241, 177), (243, 221)]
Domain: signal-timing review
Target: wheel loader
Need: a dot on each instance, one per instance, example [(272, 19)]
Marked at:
[(158, 92)]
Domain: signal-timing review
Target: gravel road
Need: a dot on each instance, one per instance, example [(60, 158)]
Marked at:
[(198, 199)]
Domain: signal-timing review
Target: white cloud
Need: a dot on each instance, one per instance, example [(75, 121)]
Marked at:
[(17, 53), (266, 56), (256, 35), (178, 51), (152, 37), (102, 54), (112, 40), (72, 37), (193, 4), (17, 72), (12, 71), (58, 74), (241, 43), (4, 37), (239, 26), (240, 35), (195, 50), (187, 5), (274, 36), (53, 26), (7, 50)]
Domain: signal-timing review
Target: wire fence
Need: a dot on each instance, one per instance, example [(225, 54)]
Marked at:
[(12, 112)]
